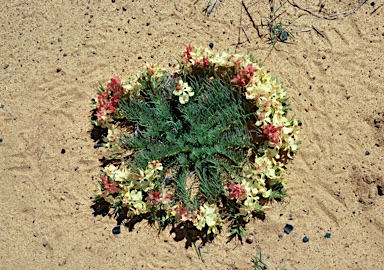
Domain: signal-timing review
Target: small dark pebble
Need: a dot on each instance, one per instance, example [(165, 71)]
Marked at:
[(58, 70), (367, 153), (97, 145), (299, 123), (6, 66), (284, 36), (372, 4), (45, 244), (280, 235), (116, 230), (168, 181), (380, 190), (322, 6), (1, 139), (211, 45), (327, 235), (288, 228), (59, 39), (77, 168), (63, 151), (305, 239)]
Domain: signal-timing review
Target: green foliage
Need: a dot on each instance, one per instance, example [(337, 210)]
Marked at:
[(208, 136), (238, 231), (258, 262), (277, 31)]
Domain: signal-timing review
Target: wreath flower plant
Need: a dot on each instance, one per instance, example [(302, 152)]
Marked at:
[(202, 144)]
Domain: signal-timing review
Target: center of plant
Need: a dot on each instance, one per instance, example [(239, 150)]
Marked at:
[(207, 137)]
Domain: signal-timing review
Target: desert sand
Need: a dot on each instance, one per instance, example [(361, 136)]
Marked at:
[(53, 55)]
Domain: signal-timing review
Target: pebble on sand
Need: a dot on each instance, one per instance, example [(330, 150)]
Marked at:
[(288, 228), (116, 230)]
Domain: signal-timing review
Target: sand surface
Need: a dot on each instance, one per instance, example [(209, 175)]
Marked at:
[(54, 53)]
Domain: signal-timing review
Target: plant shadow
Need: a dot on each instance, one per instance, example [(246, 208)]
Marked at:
[(184, 231)]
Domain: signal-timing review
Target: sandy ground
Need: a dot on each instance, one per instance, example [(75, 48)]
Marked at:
[(54, 53)]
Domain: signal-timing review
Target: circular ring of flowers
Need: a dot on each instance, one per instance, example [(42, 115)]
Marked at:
[(150, 189)]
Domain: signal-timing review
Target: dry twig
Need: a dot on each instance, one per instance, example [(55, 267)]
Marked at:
[(250, 17), (317, 31), (331, 16), (199, 252), (376, 9), (3, 107), (209, 10), (41, 153), (245, 33)]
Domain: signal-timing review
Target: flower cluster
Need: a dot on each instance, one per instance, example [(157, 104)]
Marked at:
[(142, 195), (107, 100), (144, 191)]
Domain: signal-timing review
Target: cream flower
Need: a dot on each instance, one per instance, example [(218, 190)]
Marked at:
[(184, 91)]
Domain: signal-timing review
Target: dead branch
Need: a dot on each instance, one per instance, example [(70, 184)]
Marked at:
[(331, 16)]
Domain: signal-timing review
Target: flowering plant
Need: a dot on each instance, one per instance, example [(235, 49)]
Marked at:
[(202, 144)]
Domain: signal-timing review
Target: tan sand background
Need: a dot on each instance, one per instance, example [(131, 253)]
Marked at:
[(54, 53)]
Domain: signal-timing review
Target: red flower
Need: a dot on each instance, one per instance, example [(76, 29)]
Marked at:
[(239, 80), (107, 101), (237, 192), (205, 61), (110, 187), (159, 197), (112, 106), (187, 53), (272, 133), (182, 213), (151, 69), (244, 76), (116, 86)]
